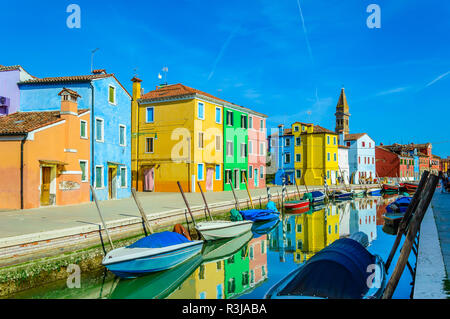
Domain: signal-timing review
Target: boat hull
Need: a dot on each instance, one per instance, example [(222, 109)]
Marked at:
[(133, 262), (223, 230), (374, 192), (296, 204)]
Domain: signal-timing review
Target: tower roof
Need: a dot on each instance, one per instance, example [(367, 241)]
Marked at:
[(342, 101)]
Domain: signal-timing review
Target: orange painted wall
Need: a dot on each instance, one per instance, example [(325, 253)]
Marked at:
[(10, 174)]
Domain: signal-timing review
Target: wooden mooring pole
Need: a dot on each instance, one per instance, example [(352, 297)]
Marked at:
[(101, 217), (186, 202), (235, 197), (422, 207), (141, 210), (204, 200), (406, 218)]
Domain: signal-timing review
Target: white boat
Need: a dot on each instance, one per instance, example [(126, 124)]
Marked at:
[(374, 192), (221, 229)]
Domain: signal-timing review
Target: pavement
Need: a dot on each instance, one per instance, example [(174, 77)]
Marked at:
[(441, 209)]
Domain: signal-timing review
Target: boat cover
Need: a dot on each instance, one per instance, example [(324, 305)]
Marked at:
[(259, 215), (272, 206), (159, 240), (399, 206), (338, 271), (235, 215), (308, 196), (317, 194)]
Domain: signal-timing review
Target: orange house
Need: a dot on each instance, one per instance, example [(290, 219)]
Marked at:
[(44, 156)]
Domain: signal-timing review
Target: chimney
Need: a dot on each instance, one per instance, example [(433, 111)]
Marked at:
[(136, 88), (99, 71), (69, 104)]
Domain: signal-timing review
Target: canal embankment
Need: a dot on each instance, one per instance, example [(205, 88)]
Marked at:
[(37, 245)]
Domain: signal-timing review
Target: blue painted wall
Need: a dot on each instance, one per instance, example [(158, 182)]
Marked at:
[(37, 97), (285, 169)]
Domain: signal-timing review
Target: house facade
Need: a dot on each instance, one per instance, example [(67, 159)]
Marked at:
[(344, 169), (258, 260), (110, 124), (286, 170), (257, 147), (9, 89), (361, 157), (45, 156)]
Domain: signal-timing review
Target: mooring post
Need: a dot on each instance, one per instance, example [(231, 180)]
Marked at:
[(422, 207), (101, 217), (141, 210)]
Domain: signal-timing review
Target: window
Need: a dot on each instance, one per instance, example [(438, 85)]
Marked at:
[(299, 244), (230, 148), (243, 150), (123, 177), (359, 160), (149, 145), (348, 144), (261, 148), (149, 117), (200, 171), (298, 173), (250, 122), (218, 115), (243, 175), (328, 139), (99, 176), (370, 144), (243, 121), (250, 147), (122, 135), (218, 172), (112, 95), (296, 128), (328, 174), (230, 118), (200, 139), (363, 144), (218, 143), (334, 140), (335, 157), (261, 127), (250, 171), (328, 156), (299, 228), (287, 158), (84, 170), (263, 247), (298, 157), (99, 129), (298, 141), (228, 176), (231, 286), (83, 129), (287, 142), (201, 110), (261, 172)]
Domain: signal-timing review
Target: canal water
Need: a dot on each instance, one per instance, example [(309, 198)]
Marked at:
[(248, 266)]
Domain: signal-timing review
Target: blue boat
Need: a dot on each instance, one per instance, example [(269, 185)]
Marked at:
[(263, 228), (339, 271), (315, 197), (400, 205), (341, 195), (259, 215), (156, 252), (374, 192)]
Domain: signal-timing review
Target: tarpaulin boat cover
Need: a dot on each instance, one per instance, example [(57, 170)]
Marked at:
[(263, 228), (399, 206), (272, 206), (259, 215), (317, 194), (235, 216), (307, 196), (158, 240), (338, 271)]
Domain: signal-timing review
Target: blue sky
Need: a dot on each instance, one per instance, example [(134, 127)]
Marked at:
[(260, 54)]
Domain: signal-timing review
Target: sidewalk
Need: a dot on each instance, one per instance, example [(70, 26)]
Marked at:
[(441, 208)]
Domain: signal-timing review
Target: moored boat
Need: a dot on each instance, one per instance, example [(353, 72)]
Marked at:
[(296, 204), (374, 192), (359, 192), (410, 186), (156, 252), (315, 197), (391, 189), (221, 229), (297, 211), (341, 195)]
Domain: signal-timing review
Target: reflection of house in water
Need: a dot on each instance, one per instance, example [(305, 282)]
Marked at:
[(237, 274), (348, 219), (367, 212), (258, 260), (310, 234), (381, 209), (331, 224), (282, 239), (206, 282)]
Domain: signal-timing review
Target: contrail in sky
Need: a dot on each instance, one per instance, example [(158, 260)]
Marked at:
[(222, 50), (438, 78)]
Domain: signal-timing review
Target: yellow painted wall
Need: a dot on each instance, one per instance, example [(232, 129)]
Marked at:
[(312, 234), (176, 130)]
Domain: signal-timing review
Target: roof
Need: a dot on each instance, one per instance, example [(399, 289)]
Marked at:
[(343, 146), (181, 90), (72, 92), (14, 67), (352, 137), (320, 129), (342, 102), (24, 122), (287, 131)]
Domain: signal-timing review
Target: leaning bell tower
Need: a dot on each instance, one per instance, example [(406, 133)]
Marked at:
[(342, 115)]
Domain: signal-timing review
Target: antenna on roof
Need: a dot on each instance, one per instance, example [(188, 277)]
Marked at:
[(92, 58), (165, 70)]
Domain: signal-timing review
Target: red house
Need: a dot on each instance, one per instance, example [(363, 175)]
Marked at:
[(387, 163)]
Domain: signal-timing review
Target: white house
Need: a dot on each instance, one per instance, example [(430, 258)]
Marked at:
[(344, 169), (361, 157)]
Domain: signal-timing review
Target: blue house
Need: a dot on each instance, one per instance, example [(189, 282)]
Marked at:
[(285, 156), (110, 105)]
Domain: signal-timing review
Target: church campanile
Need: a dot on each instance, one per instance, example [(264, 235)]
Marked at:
[(342, 115)]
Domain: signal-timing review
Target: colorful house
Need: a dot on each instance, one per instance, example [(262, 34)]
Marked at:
[(257, 146), (45, 156), (9, 90), (316, 154), (177, 136), (272, 165), (285, 152), (332, 223), (258, 260), (110, 123), (367, 213), (237, 273), (310, 235), (344, 168), (361, 157)]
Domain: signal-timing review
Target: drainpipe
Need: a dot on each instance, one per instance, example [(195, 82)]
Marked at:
[(22, 142), (92, 135)]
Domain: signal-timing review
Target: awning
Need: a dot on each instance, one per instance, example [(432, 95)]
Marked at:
[(115, 164), (53, 162)]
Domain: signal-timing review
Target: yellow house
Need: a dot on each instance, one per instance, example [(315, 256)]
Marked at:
[(331, 224), (206, 282), (177, 135), (310, 235), (315, 154)]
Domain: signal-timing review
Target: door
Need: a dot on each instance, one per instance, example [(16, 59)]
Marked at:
[(209, 178), (236, 179), (256, 177), (45, 186), (149, 179), (112, 182)]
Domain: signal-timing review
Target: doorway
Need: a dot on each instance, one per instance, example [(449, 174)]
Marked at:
[(209, 178), (149, 179), (255, 177), (112, 182), (45, 186), (236, 179)]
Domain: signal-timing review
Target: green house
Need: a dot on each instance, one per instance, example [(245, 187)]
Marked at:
[(235, 135), (237, 274)]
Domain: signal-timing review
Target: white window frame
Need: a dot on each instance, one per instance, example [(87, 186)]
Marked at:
[(103, 129), (86, 173), (286, 142), (286, 154), (298, 144), (261, 127), (115, 95), (146, 112), (198, 111), (86, 130), (242, 155), (126, 176), (102, 179), (145, 146), (232, 149), (250, 122), (124, 134), (203, 171), (220, 114)]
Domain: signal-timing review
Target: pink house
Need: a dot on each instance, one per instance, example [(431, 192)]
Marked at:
[(257, 148), (258, 260)]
